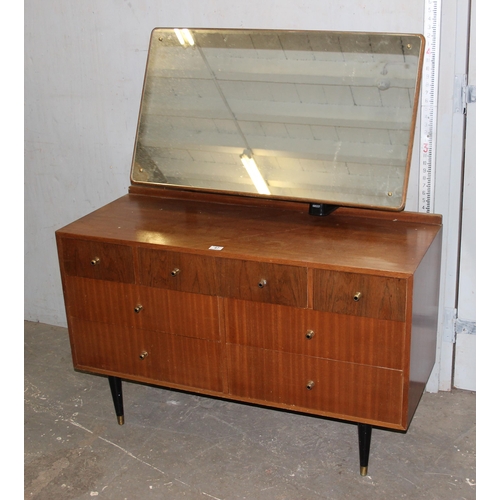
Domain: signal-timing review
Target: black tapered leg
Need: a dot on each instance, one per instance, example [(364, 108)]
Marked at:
[(364, 437), (115, 383)]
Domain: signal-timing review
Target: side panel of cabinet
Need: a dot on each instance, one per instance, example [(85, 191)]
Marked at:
[(425, 300)]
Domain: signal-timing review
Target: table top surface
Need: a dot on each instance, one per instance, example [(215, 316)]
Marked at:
[(348, 239)]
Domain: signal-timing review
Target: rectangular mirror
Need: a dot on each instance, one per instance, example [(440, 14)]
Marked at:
[(313, 116)]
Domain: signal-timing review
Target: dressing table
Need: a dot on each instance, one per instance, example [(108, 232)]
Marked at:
[(262, 253)]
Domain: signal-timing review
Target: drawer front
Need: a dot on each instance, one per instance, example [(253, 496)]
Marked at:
[(303, 331), (359, 294), (343, 390), (134, 352), (177, 271), (179, 313), (98, 260), (263, 282)]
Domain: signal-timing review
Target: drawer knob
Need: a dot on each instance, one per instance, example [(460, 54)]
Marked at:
[(143, 355), (262, 283), (175, 271), (138, 308), (309, 334), (95, 261), (310, 385), (357, 296)]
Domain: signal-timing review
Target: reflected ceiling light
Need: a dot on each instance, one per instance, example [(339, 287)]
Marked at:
[(184, 36), (254, 173)]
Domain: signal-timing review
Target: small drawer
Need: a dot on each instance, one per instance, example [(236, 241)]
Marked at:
[(98, 260), (368, 341), (168, 311), (304, 383), (180, 361), (359, 294), (177, 271), (263, 282)]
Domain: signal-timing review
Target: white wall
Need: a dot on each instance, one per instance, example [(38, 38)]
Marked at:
[(84, 67)]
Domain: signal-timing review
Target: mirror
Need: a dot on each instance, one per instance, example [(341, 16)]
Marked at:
[(322, 117)]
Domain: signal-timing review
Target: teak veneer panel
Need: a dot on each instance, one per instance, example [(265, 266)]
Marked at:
[(177, 271), (171, 359), (167, 311), (97, 260), (212, 329), (342, 390), (367, 341), (281, 284), (379, 297), (355, 242)]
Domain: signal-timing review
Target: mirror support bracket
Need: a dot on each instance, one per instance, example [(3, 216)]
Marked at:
[(321, 209)]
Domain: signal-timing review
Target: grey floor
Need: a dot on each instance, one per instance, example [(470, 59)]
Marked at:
[(175, 445)]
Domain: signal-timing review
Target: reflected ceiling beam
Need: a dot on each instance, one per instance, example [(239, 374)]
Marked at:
[(184, 36), (254, 173)]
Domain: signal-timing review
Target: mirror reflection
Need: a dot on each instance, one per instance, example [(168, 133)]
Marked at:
[(318, 116)]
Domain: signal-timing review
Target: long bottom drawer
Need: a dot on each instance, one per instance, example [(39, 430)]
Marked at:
[(343, 390), (185, 361)]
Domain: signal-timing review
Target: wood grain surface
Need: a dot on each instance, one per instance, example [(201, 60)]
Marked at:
[(257, 301)]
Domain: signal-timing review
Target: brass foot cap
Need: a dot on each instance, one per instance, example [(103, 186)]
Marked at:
[(121, 420), (363, 471)]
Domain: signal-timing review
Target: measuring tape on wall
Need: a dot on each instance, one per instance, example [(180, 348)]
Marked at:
[(432, 27)]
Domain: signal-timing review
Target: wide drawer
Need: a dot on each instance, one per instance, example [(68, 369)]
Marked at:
[(359, 294), (179, 313), (97, 260), (177, 271), (263, 282), (343, 390), (303, 331), (147, 354)]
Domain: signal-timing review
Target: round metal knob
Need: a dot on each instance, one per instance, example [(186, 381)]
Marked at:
[(357, 296), (143, 355), (262, 283), (95, 261), (310, 385), (138, 308), (309, 334), (175, 271)]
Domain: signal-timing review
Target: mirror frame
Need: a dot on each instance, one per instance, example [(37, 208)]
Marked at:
[(311, 201)]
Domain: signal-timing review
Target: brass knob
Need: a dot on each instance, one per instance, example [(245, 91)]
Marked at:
[(262, 283), (143, 355), (357, 296), (310, 385), (138, 308), (175, 271), (95, 261), (309, 334)]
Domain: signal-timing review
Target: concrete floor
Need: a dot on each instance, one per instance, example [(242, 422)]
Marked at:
[(175, 445)]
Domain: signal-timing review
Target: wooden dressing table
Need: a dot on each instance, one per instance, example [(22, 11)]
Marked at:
[(249, 297)]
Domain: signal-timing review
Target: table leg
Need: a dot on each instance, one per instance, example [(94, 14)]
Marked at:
[(115, 384), (364, 437)]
